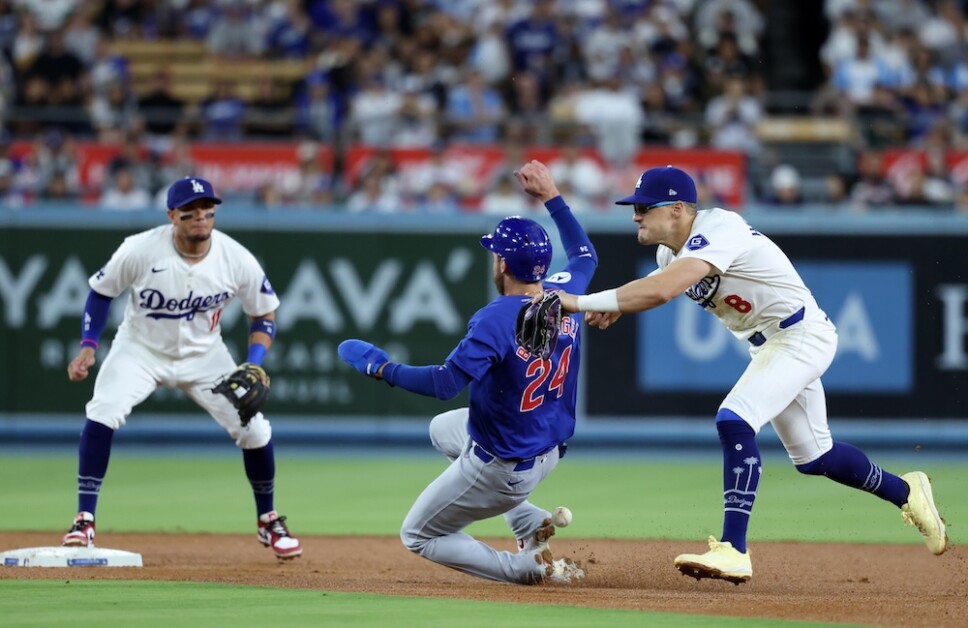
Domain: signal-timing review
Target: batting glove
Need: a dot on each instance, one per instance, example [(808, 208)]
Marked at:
[(363, 356)]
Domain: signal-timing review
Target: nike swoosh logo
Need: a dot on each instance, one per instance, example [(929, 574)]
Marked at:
[(510, 483), (157, 270)]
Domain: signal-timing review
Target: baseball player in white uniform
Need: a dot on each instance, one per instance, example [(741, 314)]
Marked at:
[(743, 278), (180, 276)]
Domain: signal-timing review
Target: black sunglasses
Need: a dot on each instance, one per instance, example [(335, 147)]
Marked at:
[(641, 210)]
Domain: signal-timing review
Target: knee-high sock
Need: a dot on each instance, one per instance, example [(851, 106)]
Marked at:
[(850, 466), (93, 454), (741, 475), (260, 468)]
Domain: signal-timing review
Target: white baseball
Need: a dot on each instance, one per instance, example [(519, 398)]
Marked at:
[(561, 517)]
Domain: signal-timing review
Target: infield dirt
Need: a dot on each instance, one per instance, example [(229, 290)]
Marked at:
[(879, 585)]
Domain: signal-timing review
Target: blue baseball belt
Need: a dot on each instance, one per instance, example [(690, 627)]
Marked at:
[(758, 338), (523, 465)]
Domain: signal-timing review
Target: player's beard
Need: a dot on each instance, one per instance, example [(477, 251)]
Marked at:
[(196, 238)]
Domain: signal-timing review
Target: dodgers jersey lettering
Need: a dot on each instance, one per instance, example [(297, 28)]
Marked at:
[(755, 286), (526, 405), (175, 308)]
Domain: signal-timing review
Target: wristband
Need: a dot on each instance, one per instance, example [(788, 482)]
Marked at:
[(257, 353), (88, 342), (264, 325), (604, 301)]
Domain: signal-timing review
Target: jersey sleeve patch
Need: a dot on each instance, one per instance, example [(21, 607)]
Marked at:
[(559, 277), (266, 286), (697, 242)]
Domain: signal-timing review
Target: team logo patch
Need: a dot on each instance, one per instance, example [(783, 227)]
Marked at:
[(100, 274), (266, 286), (697, 242)]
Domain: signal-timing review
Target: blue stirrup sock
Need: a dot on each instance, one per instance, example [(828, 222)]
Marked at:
[(741, 475), (93, 454), (260, 468), (850, 466)]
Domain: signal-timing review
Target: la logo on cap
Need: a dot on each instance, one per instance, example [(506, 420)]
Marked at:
[(197, 187), (639, 182)]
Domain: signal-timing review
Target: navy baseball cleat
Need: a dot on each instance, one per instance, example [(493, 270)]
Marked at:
[(274, 533), (81, 533), (920, 511)]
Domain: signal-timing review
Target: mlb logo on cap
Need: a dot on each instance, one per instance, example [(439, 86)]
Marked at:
[(184, 191), (658, 185)]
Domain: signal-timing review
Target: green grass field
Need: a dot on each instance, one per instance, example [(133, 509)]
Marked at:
[(368, 495)]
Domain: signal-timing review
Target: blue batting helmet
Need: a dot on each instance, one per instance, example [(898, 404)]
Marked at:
[(524, 245)]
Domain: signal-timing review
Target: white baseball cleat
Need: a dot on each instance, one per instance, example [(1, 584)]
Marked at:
[(722, 561), (920, 511)]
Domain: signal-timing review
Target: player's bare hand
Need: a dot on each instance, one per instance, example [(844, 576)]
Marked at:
[(602, 320), (537, 181), (569, 302), (79, 366)]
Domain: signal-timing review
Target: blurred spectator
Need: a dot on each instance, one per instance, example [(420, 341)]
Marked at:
[(107, 68), (54, 80), (872, 189), (235, 35), (440, 168), (739, 18), (416, 120), (732, 118), (163, 112), (924, 108), (856, 77), (505, 198), (312, 185), (474, 110), (614, 114), (291, 36), (881, 121), (603, 45), (835, 192), (124, 194), (8, 25), (222, 113), (785, 187), (113, 113), (318, 109), (131, 157), (374, 196), (55, 153), (944, 32), (440, 198), (269, 113), (51, 14), (726, 60), (528, 111), (489, 55), (81, 35), (58, 189), (122, 18), (533, 40), (8, 88), (583, 173), (28, 42), (373, 112)]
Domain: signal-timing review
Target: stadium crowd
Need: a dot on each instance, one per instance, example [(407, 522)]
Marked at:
[(598, 79)]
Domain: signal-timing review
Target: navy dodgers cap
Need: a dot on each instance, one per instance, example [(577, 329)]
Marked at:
[(184, 191), (657, 185)]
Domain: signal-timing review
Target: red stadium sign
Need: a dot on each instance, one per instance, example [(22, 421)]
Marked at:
[(244, 167)]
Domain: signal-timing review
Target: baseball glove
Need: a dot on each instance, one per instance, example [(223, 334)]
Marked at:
[(246, 388), (538, 325)]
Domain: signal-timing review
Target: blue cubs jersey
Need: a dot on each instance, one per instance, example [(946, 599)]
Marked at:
[(520, 405)]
